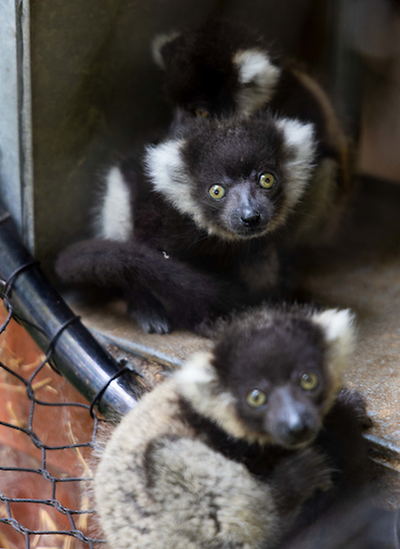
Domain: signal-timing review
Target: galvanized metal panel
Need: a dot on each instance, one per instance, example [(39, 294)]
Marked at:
[(15, 119)]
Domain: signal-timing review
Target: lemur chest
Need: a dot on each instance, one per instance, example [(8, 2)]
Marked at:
[(251, 264)]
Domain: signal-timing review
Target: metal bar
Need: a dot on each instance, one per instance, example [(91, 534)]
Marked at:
[(78, 356), (10, 175), (25, 122)]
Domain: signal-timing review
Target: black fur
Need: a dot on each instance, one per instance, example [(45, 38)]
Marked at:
[(276, 357), (234, 153), (160, 292), (358, 523), (294, 474), (342, 443), (191, 457)]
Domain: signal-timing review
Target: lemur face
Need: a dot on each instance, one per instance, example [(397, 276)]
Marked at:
[(237, 173), (272, 376), (237, 178), (278, 379)]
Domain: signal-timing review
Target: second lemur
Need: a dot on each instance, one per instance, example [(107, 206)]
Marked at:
[(190, 235), (225, 453)]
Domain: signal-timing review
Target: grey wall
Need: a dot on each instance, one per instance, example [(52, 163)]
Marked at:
[(16, 182)]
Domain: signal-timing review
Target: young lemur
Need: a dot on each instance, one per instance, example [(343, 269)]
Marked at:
[(225, 452), (190, 236), (222, 68)]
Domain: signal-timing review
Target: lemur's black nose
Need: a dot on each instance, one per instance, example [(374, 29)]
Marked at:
[(250, 218), (298, 430)]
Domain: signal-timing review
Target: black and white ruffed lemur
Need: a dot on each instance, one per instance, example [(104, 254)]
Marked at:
[(223, 68), (189, 236), (225, 453)]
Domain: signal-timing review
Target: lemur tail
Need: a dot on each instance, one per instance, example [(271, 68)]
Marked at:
[(129, 266)]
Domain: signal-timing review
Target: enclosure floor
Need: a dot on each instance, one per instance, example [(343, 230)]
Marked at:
[(362, 271)]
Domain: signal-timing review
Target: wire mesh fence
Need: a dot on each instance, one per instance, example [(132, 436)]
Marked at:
[(47, 436)]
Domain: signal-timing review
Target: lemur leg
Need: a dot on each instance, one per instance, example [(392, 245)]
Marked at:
[(342, 439), (298, 477), (148, 312)]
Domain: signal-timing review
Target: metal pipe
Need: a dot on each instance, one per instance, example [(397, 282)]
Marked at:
[(77, 354)]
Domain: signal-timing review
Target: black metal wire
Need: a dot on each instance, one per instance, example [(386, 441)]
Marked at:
[(49, 477), (8, 284), (7, 289), (83, 362), (53, 340), (127, 368)]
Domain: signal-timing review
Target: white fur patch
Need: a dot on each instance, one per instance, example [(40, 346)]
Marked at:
[(157, 44), (340, 335), (301, 146), (195, 370), (166, 170), (338, 325), (114, 220), (198, 382), (259, 78)]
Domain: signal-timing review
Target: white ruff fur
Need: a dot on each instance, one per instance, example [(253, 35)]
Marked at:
[(198, 383), (340, 335), (259, 78), (158, 43), (114, 220), (300, 143), (166, 169)]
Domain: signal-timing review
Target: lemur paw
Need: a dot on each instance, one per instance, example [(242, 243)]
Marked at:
[(151, 322), (356, 401), (149, 314), (314, 469), (299, 476)]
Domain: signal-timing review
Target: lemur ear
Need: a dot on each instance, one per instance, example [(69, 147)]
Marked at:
[(164, 47), (258, 78), (300, 144), (255, 66), (299, 136), (338, 326), (340, 336)]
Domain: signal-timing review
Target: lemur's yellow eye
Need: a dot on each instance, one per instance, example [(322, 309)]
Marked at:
[(217, 192), (309, 381), (267, 180), (256, 398), (201, 112)]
